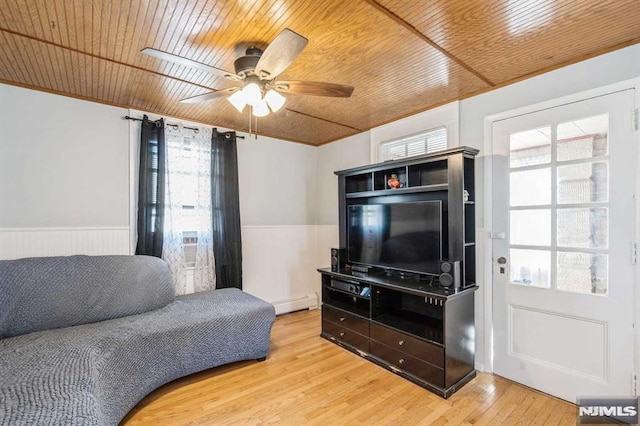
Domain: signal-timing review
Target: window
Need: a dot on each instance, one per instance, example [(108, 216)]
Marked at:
[(421, 143), (189, 188), (179, 153), (559, 206), (152, 171)]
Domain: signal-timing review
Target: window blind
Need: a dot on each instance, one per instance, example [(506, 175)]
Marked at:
[(422, 143)]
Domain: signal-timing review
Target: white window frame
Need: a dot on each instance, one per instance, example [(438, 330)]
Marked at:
[(445, 115), (406, 141)]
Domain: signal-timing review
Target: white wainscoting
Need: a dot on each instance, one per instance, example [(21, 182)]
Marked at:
[(280, 262), (36, 242)]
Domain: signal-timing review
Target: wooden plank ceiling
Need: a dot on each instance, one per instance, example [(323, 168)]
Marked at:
[(401, 56)]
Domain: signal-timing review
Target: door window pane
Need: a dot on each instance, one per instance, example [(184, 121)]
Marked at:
[(530, 188), (558, 198), (530, 148), (583, 228), (530, 267), (583, 183), (530, 227), (584, 138), (582, 272)]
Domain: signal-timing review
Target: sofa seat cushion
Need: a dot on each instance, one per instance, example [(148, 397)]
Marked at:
[(95, 373)]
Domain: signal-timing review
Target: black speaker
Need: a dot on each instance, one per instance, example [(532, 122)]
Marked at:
[(450, 274), (337, 259)]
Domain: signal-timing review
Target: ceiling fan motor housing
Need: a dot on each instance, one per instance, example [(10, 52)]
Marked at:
[(245, 65)]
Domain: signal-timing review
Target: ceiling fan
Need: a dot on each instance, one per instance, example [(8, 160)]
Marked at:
[(258, 71)]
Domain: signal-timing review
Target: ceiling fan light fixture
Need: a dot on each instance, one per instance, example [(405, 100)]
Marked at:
[(238, 100), (275, 100), (260, 109), (252, 94)]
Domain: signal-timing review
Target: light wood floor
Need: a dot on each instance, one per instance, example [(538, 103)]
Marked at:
[(306, 380)]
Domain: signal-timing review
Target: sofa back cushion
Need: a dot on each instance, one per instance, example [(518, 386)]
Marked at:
[(43, 293)]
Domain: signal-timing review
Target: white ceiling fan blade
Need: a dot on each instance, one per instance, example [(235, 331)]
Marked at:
[(282, 51)]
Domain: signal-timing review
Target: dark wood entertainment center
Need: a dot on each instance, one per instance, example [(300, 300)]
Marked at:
[(407, 322)]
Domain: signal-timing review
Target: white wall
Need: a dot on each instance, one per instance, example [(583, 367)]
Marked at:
[(362, 149), (600, 71), (445, 115), (344, 154), (616, 66), (63, 162), (64, 176), (277, 182), (68, 184), (288, 192), (278, 208), (277, 186), (349, 152)]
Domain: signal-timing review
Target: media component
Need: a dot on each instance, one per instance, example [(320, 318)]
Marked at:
[(337, 259), (450, 276)]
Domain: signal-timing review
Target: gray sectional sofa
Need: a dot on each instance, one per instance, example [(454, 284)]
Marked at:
[(83, 338)]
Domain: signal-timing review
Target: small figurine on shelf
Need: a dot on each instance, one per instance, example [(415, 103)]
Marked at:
[(394, 182)]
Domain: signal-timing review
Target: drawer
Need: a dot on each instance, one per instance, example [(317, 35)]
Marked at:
[(347, 320), (410, 345), (402, 361), (346, 335)]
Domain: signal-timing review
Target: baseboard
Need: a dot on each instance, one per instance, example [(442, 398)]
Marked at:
[(310, 301)]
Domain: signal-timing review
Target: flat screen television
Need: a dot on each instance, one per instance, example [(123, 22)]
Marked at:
[(402, 236)]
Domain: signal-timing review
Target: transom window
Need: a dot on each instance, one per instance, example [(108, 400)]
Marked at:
[(418, 144)]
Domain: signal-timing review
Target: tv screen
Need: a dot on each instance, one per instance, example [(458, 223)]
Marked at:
[(403, 236)]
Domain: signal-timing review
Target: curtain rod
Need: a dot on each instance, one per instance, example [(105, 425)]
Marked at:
[(175, 126)]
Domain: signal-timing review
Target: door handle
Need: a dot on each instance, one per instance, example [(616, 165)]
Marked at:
[(502, 260)]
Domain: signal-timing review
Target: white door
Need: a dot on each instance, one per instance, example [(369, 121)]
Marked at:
[(563, 223)]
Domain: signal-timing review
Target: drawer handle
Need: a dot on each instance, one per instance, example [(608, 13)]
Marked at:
[(401, 342), (342, 319), (401, 361), (341, 334)]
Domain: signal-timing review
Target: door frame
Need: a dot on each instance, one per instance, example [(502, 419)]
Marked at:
[(487, 246)]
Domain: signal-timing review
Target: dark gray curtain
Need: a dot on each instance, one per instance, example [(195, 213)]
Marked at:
[(227, 243), (151, 188)]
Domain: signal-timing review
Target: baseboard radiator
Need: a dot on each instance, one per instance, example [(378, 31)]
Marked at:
[(310, 301)]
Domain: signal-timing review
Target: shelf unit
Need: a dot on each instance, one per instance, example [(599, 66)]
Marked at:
[(445, 175), (409, 324)]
